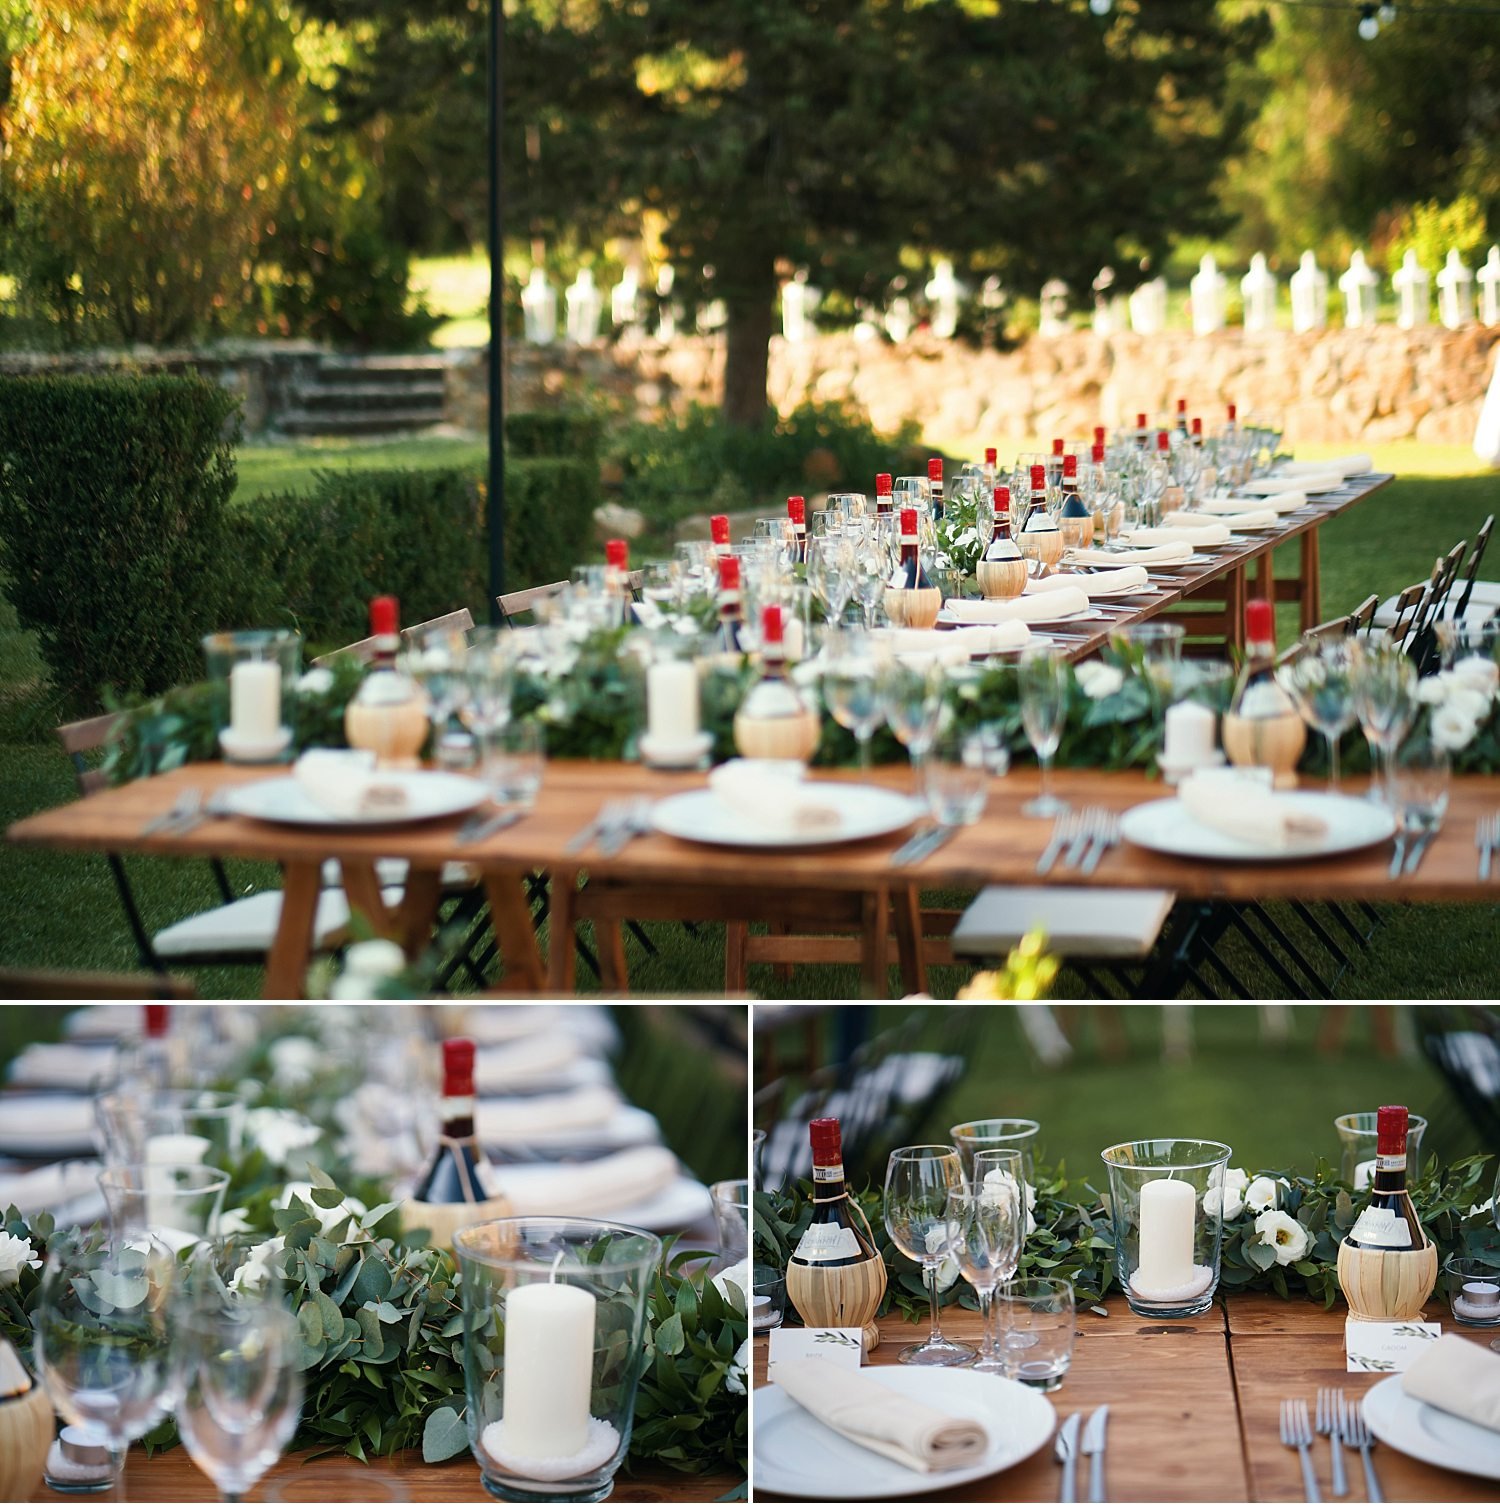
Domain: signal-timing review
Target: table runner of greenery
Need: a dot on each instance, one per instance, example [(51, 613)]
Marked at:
[(1281, 1232)]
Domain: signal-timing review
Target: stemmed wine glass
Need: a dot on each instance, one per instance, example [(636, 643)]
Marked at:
[(235, 1349), (853, 695), (102, 1335), (918, 1181), (1385, 701), (989, 1221), (1322, 681), (912, 698), (830, 572), (1043, 680)]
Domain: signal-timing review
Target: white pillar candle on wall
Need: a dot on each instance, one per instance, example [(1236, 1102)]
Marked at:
[(549, 1367), (672, 702), (255, 700), (1166, 1271)]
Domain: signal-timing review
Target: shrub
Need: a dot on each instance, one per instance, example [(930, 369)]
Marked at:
[(562, 432), (112, 496)]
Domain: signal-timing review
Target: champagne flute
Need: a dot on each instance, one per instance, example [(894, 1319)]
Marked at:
[(1044, 679), (102, 1337), (1322, 680), (1385, 702), (989, 1218), (918, 1181), (912, 697)]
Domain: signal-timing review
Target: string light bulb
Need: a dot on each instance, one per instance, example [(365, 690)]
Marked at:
[(1386, 14), (1369, 26), (1100, 7)]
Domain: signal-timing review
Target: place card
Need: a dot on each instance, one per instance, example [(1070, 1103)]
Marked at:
[(1386, 1345), (841, 1347)]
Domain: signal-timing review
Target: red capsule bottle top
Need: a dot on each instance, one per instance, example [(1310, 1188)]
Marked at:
[(1390, 1131)]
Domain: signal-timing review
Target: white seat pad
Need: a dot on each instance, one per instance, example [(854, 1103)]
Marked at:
[(1079, 923), (248, 925)]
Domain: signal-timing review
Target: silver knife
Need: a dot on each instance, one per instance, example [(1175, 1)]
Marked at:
[(1093, 1448), (486, 827), (1418, 850), (1066, 1451)]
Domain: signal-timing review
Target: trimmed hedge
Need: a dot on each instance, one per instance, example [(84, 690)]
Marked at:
[(112, 499), (567, 433), (313, 560)]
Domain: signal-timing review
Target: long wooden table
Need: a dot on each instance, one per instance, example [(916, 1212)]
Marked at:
[(1194, 1406), (674, 879)]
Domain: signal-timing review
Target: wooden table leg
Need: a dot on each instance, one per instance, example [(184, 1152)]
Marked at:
[(362, 886), (291, 949), (609, 942), (1312, 584), (875, 922), (1265, 576), (736, 964), (562, 919), (907, 903), (1234, 608), (417, 915), (511, 917)]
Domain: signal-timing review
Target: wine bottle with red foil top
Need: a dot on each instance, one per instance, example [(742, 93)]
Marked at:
[(617, 575), (388, 714), (1231, 418), (774, 721), (1182, 418), (1074, 519), (935, 484), (727, 636), (991, 467), (1099, 435), (156, 1046), (885, 501), (718, 530), (1001, 571), (796, 511), (911, 600), (1389, 1221), (1197, 432), (1262, 725), (1142, 431), (1055, 464)]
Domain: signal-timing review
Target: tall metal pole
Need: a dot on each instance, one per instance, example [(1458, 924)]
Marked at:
[(495, 511)]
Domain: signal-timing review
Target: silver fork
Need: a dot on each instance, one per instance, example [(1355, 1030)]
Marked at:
[(1328, 1424), (1486, 836), (608, 814), (1088, 825), (634, 822), (1296, 1433), (184, 809), (1062, 830), (1106, 838), (1356, 1431)]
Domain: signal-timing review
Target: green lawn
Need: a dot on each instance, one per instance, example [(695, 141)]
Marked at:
[(291, 466), (60, 910)]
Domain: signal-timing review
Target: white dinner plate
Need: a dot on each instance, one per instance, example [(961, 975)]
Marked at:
[(681, 1204), (798, 1455), (1166, 827), (1428, 1434), (429, 794), (863, 811), (46, 1125)]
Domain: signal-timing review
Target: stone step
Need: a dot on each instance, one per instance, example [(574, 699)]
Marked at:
[(374, 368), (407, 393), (361, 421)]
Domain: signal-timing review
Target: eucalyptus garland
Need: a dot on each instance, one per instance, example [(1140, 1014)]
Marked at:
[(1281, 1233)]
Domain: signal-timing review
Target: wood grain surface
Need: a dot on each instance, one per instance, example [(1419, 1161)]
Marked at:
[(1195, 1406)]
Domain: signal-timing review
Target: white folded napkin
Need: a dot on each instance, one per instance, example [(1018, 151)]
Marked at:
[(510, 1120), (1159, 555), (1210, 533), (955, 647), (1242, 808), (1253, 518), (609, 1183), (775, 793), (1060, 603), (65, 1118), (507, 1021), (63, 1065), (517, 1064), (1269, 486), (344, 783), (112, 1019), (49, 1188), (1354, 465), (1272, 502), (1095, 584), (1459, 1377), (854, 1405)]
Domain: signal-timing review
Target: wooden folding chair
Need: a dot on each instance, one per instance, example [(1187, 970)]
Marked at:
[(459, 622), (1362, 619), (513, 604)]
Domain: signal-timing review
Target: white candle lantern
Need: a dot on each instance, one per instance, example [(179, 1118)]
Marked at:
[(1206, 290), (260, 669), (1356, 1132), (1489, 288), (1148, 307), (1167, 1232), (1455, 292), (1258, 289), (539, 309), (674, 738), (1309, 284), (1413, 292), (1359, 285), (1054, 309), (585, 307), (554, 1344)]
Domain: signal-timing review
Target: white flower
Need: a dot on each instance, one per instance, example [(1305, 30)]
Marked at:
[(256, 1270), (233, 1222), (316, 682), (280, 1133), (1433, 689), (329, 1220), (1228, 1201), (1263, 1193), (998, 1178), (1233, 1178), (294, 1062), (1288, 1236), (1099, 680), (734, 1378), (16, 1252), (1467, 700), (1452, 728), (939, 1238), (737, 1273), (1477, 672)]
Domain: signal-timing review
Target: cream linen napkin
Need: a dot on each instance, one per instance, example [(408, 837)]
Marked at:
[(576, 1110), (1459, 1377), (616, 1182), (1274, 502), (1060, 603), (1355, 465), (517, 1064), (1099, 584), (981, 638), (66, 1118), (1159, 555), (1316, 481), (343, 783), (1240, 808), (854, 1405), (1211, 533), (63, 1065), (774, 793), (49, 1188), (1252, 518)]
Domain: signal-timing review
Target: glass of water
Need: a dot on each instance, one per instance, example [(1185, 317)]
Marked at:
[(1035, 1319), (511, 764), (1419, 787)]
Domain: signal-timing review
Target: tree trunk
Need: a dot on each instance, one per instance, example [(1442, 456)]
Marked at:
[(749, 300)]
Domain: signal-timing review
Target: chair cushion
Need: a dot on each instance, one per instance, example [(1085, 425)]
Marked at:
[(248, 926), (1484, 591), (1079, 923)]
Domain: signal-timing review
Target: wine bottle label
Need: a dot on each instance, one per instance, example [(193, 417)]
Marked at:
[(826, 1242), (1378, 1226), (833, 1173), (1389, 1164)]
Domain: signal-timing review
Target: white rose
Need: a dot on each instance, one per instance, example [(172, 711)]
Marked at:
[(16, 1253), (233, 1222), (280, 1133), (734, 1378), (1452, 728), (256, 1270), (1099, 680), (1263, 1193), (1466, 699), (1288, 1236), (998, 1178), (1228, 1201), (1478, 673), (939, 1239), (294, 1061), (1234, 1178), (316, 682), (737, 1273), (1433, 689)]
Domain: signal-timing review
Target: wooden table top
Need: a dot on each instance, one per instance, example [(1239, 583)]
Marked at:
[(171, 1477), (1194, 1406), (1002, 848)]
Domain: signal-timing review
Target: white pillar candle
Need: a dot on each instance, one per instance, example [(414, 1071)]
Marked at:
[(1189, 734), (672, 702), (549, 1364), (255, 700), (182, 1149), (1363, 1174), (1165, 1271)]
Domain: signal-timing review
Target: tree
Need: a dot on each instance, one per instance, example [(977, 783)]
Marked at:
[(1022, 137), (144, 151)]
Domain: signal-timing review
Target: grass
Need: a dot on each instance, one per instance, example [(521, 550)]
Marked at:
[(1273, 1103), (60, 910), (291, 467)]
